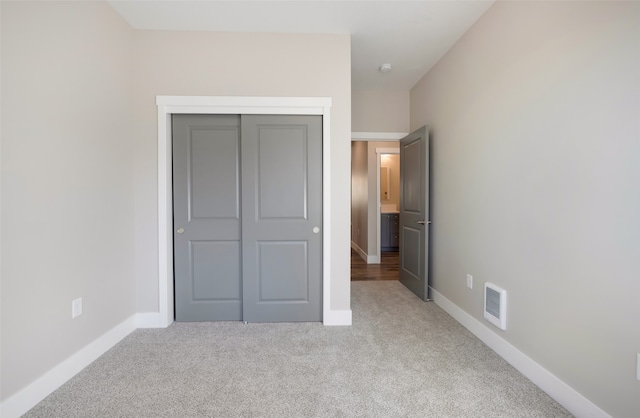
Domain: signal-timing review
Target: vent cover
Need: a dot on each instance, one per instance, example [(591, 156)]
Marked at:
[(495, 305)]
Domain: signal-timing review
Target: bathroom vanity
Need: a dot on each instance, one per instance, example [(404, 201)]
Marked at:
[(389, 231)]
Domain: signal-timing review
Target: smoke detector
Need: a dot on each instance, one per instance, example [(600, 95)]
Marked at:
[(385, 68)]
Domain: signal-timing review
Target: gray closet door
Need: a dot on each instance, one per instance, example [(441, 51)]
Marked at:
[(414, 212), (206, 217), (259, 261), (282, 218)]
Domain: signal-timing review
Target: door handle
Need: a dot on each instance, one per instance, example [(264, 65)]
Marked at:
[(316, 229), (180, 231), (422, 222)]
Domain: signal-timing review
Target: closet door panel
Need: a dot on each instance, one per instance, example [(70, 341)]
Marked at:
[(282, 218), (206, 211)]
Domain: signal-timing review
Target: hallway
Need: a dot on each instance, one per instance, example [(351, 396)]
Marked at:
[(386, 270)]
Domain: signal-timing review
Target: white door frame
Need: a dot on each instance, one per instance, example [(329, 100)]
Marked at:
[(168, 105)]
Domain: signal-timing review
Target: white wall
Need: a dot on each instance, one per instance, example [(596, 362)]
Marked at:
[(239, 64), (67, 182), (535, 166)]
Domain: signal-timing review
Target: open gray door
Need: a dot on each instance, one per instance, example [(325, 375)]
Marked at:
[(414, 212), (206, 217), (282, 218)]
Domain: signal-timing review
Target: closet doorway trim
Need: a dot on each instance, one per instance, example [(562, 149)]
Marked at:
[(169, 105)]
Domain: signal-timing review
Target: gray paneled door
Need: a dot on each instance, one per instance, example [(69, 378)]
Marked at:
[(247, 218), (206, 218), (414, 212), (282, 218)]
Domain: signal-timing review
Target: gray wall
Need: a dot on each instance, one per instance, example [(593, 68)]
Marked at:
[(67, 182), (536, 172)]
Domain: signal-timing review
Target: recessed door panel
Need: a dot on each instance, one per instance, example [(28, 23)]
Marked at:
[(282, 172), (412, 246), (283, 270), (412, 185), (215, 271), (213, 154)]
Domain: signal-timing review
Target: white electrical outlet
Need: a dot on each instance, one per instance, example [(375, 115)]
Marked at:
[(76, 308), (469, 281), (638, 366)]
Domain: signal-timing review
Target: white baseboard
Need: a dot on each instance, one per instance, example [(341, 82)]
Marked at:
[(28, 397), (149, 320), (370, 259), (564, 394), (337, 318), (359, 250)]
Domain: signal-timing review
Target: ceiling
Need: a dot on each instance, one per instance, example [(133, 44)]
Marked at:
[(410, 35)]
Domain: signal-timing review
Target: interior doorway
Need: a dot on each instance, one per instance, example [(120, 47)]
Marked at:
[(412, 211), (373, 173), (387, 269)]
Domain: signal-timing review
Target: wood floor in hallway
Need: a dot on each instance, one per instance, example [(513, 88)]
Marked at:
[(386, 270)]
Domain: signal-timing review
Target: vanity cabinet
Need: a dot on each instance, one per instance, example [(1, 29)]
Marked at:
[(389, 231)]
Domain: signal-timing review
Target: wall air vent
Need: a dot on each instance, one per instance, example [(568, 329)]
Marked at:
[(495, 305)]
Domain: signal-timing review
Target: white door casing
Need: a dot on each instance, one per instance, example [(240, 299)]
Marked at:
[(168, 105)]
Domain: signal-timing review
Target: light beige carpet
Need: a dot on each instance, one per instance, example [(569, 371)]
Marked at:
[(401, 358)]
